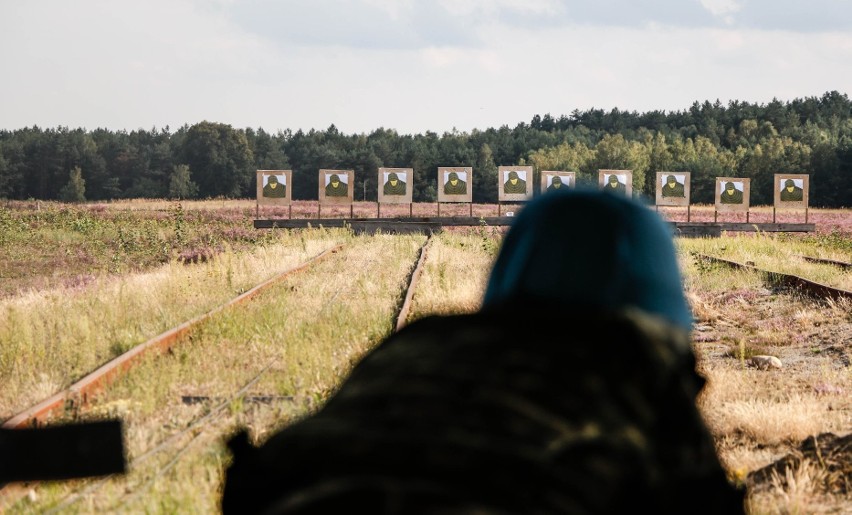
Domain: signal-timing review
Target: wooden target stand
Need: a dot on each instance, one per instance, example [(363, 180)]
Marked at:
[(774, 209), (410, 210), (469, 203), (688, 212)]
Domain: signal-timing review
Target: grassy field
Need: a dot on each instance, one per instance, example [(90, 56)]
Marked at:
[(83, 284)]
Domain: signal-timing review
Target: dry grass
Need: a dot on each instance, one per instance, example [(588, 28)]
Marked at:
[(275, 340), (760, 416), (50, 338), (313, 327), (455, 273), (780, 254)]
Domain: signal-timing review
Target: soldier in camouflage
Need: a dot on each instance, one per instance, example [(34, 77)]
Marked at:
[(474, 413), (393, 186)]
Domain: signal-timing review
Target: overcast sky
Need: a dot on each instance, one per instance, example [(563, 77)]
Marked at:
[(408, 65)]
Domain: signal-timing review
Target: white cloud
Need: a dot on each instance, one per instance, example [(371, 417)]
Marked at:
[(721, 7), (491, 8), (396, 9), (123, 65)]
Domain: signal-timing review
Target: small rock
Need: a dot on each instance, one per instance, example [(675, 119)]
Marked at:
[(764, 362)]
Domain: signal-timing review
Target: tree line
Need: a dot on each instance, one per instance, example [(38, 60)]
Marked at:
[(811, 135)]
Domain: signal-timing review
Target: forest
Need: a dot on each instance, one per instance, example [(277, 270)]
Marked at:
[(811, 135)]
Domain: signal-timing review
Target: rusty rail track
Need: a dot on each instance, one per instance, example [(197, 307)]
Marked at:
[(807, 287), (221, 404), (841, 264), (83, 391), (79, 393), (195, 425), (405, 308)]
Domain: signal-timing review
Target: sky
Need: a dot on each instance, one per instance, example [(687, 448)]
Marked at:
[(408, 65)]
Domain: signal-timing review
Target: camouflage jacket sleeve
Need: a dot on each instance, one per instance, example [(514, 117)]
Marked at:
[(482, 413)]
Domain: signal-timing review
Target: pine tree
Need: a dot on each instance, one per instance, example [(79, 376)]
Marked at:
[(75, 189), (180, 183)]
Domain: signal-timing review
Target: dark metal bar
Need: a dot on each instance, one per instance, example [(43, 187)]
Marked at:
[(62, 452), (405, 308), (841, 264), (433, 224), (80, 393), (810, 288)]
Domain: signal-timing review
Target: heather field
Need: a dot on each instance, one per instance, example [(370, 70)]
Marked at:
[(84, 283)]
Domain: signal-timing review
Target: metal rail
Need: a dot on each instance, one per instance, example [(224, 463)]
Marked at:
[(405, 309), (841, 264), (83, 391), (79, 393), (430, 224), (806, 286), (197, 426)]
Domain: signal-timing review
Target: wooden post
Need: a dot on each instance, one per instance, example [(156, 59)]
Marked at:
[(289, 210), (715, 213), (471, 209), (351, 210), (411, 209), (773, 214), (378, 209), (439, 209), (499, 204), (687, 213), (806, 214)]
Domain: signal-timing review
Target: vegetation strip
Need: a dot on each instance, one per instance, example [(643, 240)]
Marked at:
[(803, 285), (374, 286), (412, 283), (80, 392)]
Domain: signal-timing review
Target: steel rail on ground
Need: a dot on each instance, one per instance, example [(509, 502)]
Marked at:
[(196, 424), (841, 264), (401, 316), (79, 393), (82, 391), (810, 288), (405, 308)]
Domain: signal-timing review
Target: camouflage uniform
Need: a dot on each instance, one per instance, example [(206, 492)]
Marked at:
[(518, 187), (336, 191), (459, 188), (274, 189), (557, 185), (672, 188), (479, 414), (791, 192), (393, 186), (731, 195), (469, 414)]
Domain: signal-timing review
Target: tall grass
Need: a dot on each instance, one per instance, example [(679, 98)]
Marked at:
[(456, 272), (299, 340), (779, 254), (758, 416), (50, 338)]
